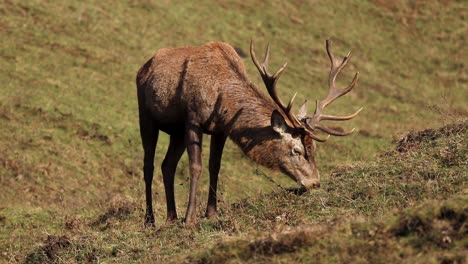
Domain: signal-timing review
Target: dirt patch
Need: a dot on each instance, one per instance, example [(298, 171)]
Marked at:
[(119, 209), (413, 139), (72, 223), (93, 134), (50, 250), (427, 227), (297, 190), (287, 241), (283, 243)]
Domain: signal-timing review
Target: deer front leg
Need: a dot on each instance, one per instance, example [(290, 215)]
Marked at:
[(194, 145), (168, 168), (216, 152)]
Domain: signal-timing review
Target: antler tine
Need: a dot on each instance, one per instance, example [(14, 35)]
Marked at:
[(312, 135), (333, 93), (288, 108), (340, 118), (268, 79), (266, 58), (254, 59), (334, 132), (330, 53), (270, 83), (335, 69)]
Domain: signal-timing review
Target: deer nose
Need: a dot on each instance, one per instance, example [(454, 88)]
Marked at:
[(309, 184)]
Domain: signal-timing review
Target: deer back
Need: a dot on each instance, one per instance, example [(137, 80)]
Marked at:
[(209, 80)]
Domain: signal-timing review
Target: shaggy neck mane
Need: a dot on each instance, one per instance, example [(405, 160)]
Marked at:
[(250, 123)]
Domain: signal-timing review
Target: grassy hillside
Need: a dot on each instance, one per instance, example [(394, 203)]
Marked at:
[(70, 154), (410, 204), (433, 232), (373, 212)]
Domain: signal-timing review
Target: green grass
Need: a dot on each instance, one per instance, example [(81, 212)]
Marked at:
[(70, 153), (410, 201), (432, 232)]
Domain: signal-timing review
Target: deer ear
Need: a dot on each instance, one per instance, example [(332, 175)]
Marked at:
[(278, 123), (302, 111)]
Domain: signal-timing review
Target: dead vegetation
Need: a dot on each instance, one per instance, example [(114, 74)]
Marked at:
[(413, 139), (119, 209), (398, 179), (49, 251), (437, 229), (359, 216)]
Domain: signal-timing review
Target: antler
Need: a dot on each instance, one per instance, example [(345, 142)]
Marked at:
[(333, 93), (270, 83), (308, 123)]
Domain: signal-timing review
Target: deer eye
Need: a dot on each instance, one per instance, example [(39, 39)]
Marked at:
[(296, 151)]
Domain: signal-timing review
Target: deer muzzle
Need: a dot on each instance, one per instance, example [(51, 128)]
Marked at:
[(312, 182)]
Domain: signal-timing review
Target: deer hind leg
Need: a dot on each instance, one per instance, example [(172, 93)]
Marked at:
[(216, 152), (149, 137), (168, 168), (194, 137)]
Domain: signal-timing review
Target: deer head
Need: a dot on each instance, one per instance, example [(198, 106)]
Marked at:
[(297, 134)]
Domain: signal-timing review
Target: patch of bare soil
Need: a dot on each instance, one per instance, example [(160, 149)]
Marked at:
[(413, 139), (48, 252), (119, 209), (286, 241)]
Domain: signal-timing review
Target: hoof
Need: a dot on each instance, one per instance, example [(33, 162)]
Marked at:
[(190, 224), (149, 221), (211, 214), (171, 221)]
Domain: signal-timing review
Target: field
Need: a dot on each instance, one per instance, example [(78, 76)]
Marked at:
[(71, 183)]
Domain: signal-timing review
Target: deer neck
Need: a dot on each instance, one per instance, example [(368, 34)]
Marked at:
[(250, 125)]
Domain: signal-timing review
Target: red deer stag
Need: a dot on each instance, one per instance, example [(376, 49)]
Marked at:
[(189, 91)]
